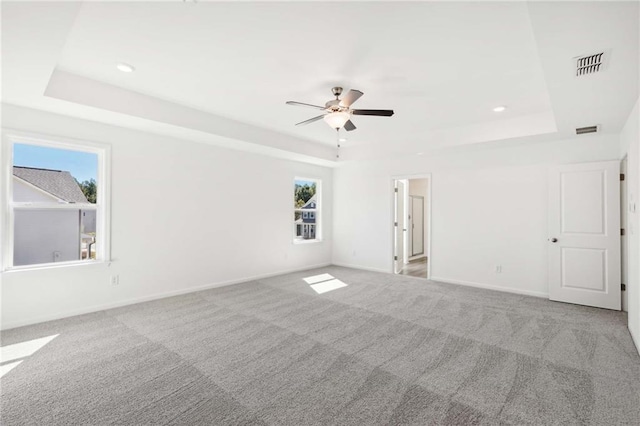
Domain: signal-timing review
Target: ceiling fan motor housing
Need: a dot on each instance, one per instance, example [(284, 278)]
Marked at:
[(333, 105)]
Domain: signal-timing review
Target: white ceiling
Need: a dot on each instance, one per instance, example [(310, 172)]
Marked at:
[(221, 72)]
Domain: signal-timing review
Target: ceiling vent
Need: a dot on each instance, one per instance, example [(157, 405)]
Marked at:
[(585, 130), (590, 64)]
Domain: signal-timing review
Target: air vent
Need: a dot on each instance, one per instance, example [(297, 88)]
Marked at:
[(588, 129), (590, 64)]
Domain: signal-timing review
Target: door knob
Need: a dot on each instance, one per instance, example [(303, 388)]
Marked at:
[(554, 240)]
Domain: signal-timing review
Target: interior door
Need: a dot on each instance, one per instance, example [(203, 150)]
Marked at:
[(399, 226), (417, 225), (584, 238)]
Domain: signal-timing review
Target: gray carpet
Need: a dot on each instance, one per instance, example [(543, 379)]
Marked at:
[(384, 350)]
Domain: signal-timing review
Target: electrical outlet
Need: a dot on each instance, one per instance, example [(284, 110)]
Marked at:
[(498, 269), (115, 279)]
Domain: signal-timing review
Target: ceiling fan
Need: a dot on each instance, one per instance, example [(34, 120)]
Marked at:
[(338, 112)]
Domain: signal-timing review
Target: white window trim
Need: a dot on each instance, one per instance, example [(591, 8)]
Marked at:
[(103, 201), (317, 211)]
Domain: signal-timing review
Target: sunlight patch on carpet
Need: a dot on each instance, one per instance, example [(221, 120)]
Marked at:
[(20, 350), (328, 286)]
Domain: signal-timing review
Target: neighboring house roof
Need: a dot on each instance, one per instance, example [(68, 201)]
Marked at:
[(59, 183), (311, 203)]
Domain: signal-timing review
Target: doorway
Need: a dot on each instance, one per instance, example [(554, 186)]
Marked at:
[(411, 226)]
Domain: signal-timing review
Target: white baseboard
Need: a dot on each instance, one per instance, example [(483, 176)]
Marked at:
[(103, 307), (364, 268), (491, 287), (457, 282)]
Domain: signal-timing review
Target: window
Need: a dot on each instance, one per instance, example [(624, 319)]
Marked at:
[(306, 195), (56, 200)]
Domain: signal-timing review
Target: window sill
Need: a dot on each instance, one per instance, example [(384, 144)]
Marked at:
[(60, 265), (307, 241)]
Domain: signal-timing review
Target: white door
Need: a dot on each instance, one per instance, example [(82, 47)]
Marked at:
[(399, 226), (584, 234), (417, 225)]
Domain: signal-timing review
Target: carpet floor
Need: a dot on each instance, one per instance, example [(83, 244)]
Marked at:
[(382, 350)]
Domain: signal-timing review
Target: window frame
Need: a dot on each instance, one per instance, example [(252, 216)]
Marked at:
[(317, 211), (8, 207)]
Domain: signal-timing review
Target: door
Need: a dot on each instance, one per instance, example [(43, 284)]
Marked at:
[(584, 234), (399, 226), (417, 225)]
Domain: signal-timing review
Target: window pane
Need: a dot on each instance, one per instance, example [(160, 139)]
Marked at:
[(305, 207), (51, 175), (53, 235), (43, 174), (304, 192)]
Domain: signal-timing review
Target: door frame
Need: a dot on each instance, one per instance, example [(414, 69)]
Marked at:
[(399, 250), (426, 211), (624, 239)]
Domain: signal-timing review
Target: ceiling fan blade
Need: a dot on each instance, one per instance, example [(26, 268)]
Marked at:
[(349, 126), (378, 112), (350, 98), (311, 120), (294, 103)]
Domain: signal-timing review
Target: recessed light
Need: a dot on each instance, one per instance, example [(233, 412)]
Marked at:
[(499, 108), (419, 153), (342, 140), (125, 67)]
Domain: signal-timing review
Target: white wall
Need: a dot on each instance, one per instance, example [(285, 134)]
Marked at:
[(629, 141), (489, 208), (179, 222)]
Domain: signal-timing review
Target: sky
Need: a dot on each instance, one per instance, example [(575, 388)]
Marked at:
[(82, 165), (304, 182)]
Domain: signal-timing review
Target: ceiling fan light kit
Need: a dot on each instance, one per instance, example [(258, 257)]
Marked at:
[(338, 112), (337, 119)]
